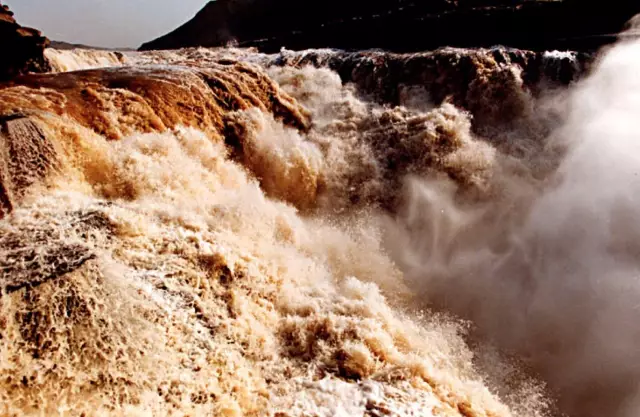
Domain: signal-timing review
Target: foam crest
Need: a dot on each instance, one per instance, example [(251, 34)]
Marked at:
[(82, 59), (205, 296), (200, 232)]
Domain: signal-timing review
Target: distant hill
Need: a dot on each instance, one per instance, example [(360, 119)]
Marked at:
[(403, 25), (67, 46)]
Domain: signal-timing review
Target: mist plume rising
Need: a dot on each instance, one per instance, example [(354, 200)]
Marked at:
[(550, 270)]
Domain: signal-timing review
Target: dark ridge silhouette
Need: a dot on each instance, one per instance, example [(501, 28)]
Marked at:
[(61, 45), (21, 48), (402, 25)]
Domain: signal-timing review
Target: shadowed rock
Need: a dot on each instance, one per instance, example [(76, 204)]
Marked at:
[(31, 266), (495, 85), (32, 254), (403, 25), (21, 48)]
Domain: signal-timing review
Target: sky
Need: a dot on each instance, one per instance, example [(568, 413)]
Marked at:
[(105, 23)]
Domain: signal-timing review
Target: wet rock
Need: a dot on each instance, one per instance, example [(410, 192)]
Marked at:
[(26, 157), (117, 102), (32, 256)]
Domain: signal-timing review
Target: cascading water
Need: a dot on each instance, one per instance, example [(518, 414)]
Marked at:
[(549, 270), (217, 232)]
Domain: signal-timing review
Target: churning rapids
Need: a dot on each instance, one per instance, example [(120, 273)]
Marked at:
[(222, 232)]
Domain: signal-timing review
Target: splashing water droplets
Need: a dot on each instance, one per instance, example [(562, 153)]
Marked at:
[(207, 233)]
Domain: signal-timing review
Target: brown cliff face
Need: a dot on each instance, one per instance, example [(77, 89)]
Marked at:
[(21, 48), (402, 25)]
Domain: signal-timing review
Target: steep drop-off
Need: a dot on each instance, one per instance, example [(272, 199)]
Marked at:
[(196, 241)]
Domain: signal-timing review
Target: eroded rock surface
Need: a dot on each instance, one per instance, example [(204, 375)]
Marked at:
[(26, 157)]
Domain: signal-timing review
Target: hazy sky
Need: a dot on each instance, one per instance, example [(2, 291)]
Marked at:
[(110, 23)]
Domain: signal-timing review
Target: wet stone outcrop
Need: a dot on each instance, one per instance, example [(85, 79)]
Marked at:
[(26, 157), (21, 48), (45, 257), (116, 102)]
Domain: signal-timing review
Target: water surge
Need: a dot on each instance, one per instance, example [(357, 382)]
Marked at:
[(223, 232)]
